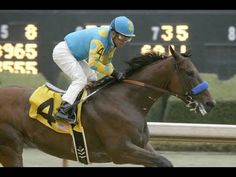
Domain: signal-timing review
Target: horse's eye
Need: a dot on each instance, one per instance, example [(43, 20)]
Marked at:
[(190, 73)]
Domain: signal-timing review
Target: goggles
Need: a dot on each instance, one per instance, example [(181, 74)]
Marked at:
[(124, 38)]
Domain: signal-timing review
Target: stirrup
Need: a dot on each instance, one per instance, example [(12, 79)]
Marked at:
[(63, 117)]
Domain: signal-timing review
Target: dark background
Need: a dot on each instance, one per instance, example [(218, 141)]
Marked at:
[(213, 51)]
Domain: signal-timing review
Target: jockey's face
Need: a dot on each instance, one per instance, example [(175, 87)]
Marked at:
[(119, 40)]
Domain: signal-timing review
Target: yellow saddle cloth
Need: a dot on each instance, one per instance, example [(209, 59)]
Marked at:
[(44, 103)]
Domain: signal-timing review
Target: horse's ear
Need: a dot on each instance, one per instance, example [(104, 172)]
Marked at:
[(175, 54), (188, 53)]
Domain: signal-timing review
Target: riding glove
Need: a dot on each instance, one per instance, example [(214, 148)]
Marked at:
[(118, 75)]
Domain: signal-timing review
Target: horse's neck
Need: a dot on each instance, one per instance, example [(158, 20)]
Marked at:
[(144, 97), (140, 97)]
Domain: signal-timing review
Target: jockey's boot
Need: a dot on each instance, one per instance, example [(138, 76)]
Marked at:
[(65, 114)]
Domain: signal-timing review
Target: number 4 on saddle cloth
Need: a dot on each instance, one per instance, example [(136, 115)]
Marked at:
[(44, 103)]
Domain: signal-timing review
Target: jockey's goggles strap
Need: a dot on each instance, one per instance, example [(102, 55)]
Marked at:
[(199, 88)]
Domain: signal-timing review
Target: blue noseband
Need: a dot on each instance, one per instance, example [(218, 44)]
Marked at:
[(199, 88)]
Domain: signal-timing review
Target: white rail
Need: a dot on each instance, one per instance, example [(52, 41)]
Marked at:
[(189, 130)]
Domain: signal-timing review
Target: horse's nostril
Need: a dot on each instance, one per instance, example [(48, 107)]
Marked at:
[(211, 104)]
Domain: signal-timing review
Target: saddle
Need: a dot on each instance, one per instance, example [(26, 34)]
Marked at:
[(46, 99), (44, 103)]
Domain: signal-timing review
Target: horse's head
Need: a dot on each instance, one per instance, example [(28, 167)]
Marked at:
[(175, 75), (187, 83)]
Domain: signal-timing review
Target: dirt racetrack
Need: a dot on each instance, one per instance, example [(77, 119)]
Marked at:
[(36, 158)]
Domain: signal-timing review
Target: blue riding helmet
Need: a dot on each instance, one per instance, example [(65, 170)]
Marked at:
[(123, 25)]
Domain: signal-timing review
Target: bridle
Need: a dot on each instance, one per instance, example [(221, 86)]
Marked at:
[(187, 97)]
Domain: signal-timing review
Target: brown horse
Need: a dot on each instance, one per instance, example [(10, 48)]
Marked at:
[(113, 118)]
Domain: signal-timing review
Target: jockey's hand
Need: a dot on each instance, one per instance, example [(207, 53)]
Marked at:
[(118, 75), (91, 83)]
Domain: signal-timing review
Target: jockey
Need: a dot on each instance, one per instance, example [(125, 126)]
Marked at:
[(85, 52)]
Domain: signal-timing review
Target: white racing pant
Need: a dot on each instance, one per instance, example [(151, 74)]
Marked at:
[(78, 71)]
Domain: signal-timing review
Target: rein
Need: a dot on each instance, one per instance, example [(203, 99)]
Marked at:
[(189, 100), (142, 84)]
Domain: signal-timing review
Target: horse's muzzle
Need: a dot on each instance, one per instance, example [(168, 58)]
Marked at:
[(206, 108), (200, 108), (210, 105)]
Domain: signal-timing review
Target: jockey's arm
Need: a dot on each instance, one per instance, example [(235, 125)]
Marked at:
[(99, 62)]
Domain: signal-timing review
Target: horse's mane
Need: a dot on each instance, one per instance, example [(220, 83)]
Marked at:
[(137, 63), (134, 64), (143, 60)]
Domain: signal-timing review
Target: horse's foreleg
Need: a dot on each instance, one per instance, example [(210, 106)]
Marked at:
[(150, 148), (135, 155), (11, 147)]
